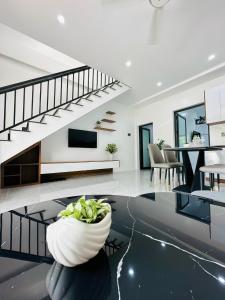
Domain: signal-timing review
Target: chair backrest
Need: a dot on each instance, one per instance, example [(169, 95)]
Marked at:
[(169, 156), (155, 155)]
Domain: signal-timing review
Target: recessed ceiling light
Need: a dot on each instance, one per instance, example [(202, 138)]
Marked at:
[(211, 57), (61, 19), (128, 63), (159, 84)]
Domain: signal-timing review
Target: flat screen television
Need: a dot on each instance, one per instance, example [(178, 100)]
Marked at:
[(82, 139)]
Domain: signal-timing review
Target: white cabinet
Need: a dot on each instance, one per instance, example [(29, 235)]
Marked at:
[(215, 104)]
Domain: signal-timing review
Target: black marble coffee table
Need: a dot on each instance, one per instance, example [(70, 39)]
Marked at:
[(161, 246)]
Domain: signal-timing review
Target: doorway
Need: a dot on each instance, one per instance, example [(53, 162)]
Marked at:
[(190, 122), (145, 138)]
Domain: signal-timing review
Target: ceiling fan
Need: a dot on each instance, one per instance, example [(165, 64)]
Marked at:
[(156, 23), (158, 3)]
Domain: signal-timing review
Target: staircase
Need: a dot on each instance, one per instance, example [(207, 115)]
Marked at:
[(32, 110)]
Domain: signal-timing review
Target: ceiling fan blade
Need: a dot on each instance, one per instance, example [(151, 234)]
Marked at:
[(156, 27)]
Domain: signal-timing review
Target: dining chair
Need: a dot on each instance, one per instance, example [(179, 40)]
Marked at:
[(158, 162), (217, 169), (170, 157)]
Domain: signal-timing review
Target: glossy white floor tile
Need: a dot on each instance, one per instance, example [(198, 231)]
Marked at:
[(123, 183)]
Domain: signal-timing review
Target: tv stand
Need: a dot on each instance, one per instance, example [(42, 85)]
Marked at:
[(51, 171)]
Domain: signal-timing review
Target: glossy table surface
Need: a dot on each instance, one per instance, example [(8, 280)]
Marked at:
[(161, 246)]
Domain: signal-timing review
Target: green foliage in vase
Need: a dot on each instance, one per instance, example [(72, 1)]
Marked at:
[(111, 148), (89, 211)]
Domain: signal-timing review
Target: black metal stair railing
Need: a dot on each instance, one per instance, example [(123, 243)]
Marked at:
[(22, 102)]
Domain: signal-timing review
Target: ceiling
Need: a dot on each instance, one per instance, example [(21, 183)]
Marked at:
[(107, 33)]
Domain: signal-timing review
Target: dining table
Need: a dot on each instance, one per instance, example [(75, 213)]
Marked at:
[(192, 177)]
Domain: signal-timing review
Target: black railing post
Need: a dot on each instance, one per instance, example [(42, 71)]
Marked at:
[(83, 81), (47, 94), (40, 98), (88, 80), (24, 101), (32, 101), (78, 88), (73, 88), (14, 107), (97, 81), (67, 87), (93, 76), (101, 80), (61, 88), (54, 92), (4, 122)]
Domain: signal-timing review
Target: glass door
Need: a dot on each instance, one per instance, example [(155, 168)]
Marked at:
[(145, 137), (181, 130)]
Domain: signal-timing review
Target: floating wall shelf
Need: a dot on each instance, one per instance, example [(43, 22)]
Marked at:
[(104, 129), (110, 113), (108, 121)]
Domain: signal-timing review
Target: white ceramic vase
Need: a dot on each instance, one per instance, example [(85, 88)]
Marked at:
[(111, 156), (72, 242)]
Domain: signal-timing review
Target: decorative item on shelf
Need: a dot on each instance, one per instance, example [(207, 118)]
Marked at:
[(108, 120), (197, 141), (80, 232), (98, 124), (160, 144), (111, 149), (201, 120)]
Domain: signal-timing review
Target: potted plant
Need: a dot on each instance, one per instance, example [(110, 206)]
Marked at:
[(111, 149), (80, 232), (160, 144), (98, 124)]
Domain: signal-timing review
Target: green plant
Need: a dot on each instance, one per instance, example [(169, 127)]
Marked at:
[(111, 148), (98, 122), (89, 211), (160, 144)]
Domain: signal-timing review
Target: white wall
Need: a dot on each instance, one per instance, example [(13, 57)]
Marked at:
[(55, 147), (23, 58), (161, 114), (23, 48)]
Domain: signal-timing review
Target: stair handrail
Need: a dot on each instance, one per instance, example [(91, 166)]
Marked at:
[(41, 79), (77, 83)]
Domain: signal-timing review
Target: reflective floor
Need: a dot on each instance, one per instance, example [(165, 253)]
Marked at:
[(131, 183)]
